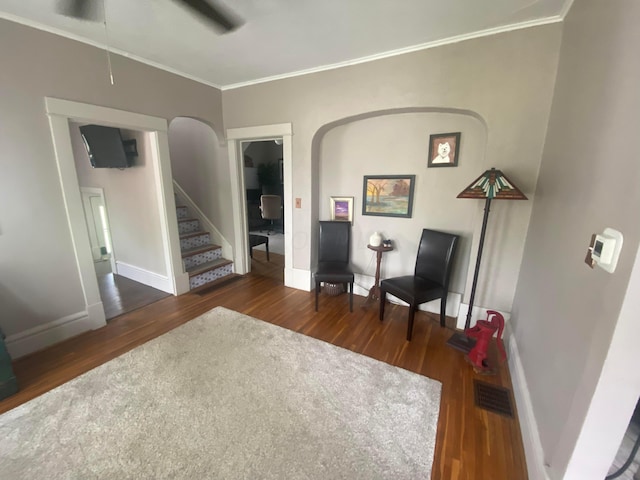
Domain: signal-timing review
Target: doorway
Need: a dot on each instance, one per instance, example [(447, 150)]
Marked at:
[(60, 114), (119, 294), (238, 137), (264, 203)]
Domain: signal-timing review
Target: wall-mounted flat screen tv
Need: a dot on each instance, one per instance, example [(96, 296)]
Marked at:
[(105, 147)]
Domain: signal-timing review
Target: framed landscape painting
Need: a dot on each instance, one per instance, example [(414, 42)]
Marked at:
[(342, 209), (388, 195)]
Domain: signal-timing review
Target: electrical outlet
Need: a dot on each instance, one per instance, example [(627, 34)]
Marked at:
[(298, 203)]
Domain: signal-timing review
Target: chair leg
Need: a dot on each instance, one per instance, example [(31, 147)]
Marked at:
[(317, 290), (412, 314), (443, 309), (351, 297), (383, 299), (267, 247)]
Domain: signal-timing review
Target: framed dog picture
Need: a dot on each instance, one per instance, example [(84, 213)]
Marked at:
[(444, 149)]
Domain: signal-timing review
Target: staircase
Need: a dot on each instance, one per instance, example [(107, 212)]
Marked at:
[(201, 259)]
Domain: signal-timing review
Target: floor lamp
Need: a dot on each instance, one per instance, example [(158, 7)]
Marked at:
[(492, 184)]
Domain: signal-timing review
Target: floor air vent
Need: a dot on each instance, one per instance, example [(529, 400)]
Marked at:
[(493, 398)]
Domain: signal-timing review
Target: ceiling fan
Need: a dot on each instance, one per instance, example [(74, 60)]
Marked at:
[(219, 16)]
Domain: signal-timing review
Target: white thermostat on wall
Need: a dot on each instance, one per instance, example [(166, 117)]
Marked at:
[(606, 249)]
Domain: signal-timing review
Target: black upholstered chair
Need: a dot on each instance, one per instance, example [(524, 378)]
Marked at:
[(333, 257), (430, 279)]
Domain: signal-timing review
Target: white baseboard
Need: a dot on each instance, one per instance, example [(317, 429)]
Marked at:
[(298, 278), (155, 280), (528, 425), (50, 333), (479, 313), (364, 282)]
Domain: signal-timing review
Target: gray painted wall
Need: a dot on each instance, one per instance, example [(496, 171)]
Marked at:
[(39, 282), (398, 144), (131, 202), (201, 168), (565, 313), (506, 81)]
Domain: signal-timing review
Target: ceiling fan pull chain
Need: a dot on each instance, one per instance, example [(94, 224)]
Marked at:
[(106, 33)]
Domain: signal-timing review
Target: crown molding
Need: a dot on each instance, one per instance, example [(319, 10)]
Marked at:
[(71, 36), (401, 51), (370, 58)]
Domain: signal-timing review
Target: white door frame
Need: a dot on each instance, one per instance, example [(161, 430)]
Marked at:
[(235, 138), (60, 113)]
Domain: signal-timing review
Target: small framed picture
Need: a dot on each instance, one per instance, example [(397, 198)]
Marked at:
[(342, 209), (388, 195), (444, 149)]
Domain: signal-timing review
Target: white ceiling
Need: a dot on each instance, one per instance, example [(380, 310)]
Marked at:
[(283, 37)]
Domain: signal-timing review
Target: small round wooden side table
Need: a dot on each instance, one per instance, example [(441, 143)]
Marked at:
[(374, 292)]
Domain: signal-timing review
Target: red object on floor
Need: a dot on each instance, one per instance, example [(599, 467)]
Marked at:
[(482, 332)]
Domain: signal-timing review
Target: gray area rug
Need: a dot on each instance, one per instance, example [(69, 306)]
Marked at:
[(228, 396)]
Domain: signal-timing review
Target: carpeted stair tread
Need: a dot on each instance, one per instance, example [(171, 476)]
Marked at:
[(182, 220), (196, 250), (205, 267), (192, 234)]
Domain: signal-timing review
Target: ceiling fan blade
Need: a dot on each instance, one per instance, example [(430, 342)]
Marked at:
[(82, 9), (215, 14)]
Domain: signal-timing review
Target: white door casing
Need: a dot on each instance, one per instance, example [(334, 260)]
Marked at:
[(235, 138), (60, 113)]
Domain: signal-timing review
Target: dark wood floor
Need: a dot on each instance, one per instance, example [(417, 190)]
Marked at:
[(472, 444), (121, 295)]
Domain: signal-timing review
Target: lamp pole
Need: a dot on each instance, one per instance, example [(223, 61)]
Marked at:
[(487, 207)]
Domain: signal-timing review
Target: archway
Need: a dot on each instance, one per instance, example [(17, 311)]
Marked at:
[(395, 141)]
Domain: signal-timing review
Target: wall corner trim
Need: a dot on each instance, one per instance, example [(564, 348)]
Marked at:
[(297, 278), (534, 453)]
